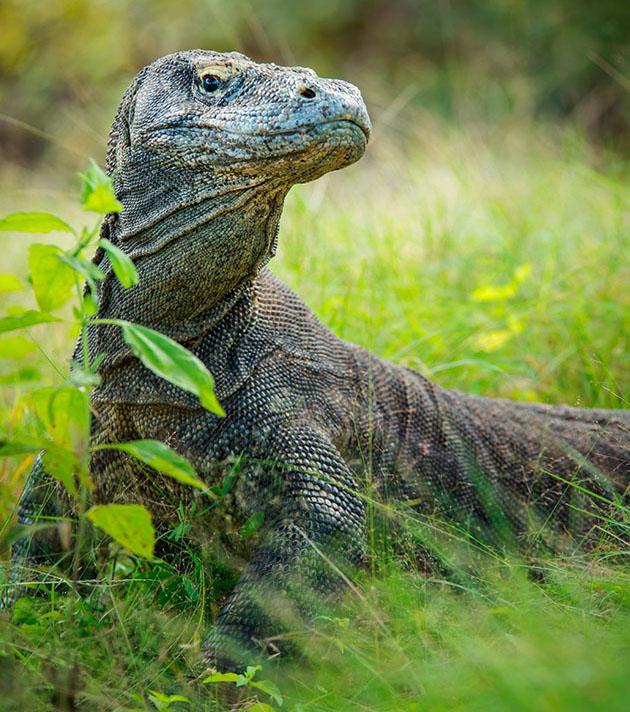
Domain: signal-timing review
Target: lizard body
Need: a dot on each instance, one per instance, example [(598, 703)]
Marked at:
[(203, 150)]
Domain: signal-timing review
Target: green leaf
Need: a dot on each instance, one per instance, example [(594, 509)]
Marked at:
[(58, 462), (163, 702), (161, 458), (20, 375), (269, 688), (9, 283), (34, 222), (251, 671), (128, 524), (97, 194), (65, 413), (84, 378), (31, 317), (252, 525), (122, 265), (16, 347), (53, 280), (173, 362), (102, 200), (62, 465), (18, 447), (89, 306), (221, 677), (86, 268), (260, 707)]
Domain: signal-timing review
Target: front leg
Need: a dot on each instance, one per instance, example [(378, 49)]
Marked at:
[(314, 524)]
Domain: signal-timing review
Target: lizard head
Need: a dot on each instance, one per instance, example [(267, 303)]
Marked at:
[(203, 150), (225, 114)]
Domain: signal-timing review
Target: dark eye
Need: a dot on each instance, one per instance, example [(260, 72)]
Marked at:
[(210, 83)]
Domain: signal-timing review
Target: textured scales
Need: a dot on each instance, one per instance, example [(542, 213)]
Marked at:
[(312, 421)]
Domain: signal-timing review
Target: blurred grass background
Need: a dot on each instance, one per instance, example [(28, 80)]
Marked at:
[(483, 240), (65, 63)]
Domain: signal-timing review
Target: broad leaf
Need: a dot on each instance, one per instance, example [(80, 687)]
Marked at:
[(65, 413), (34, 222), (161, 458), (128, 524), (173, 362), (122, 265), (221, 677), (102, 200), (249, 674), (89, 305), (270, 688), (53, 280), (86, 268), (19, 447), (31, 317), (9, 283), (20, 375), (16, 347), (58, 462), (97, 194), (62, 465), (163, 702)]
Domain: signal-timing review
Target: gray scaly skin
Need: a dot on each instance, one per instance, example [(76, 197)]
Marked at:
[(203, 150)]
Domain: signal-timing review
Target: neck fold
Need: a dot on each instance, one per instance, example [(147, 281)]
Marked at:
[(196, 264)]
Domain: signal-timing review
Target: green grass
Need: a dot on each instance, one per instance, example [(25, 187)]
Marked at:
[(493, 260)]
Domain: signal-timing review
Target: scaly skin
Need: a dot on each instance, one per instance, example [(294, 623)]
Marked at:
[(202, 177)]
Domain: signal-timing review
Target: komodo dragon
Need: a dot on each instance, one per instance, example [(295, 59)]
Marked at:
[(203, 151)]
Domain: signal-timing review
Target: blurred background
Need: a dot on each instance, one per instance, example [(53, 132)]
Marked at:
[(65, 63)]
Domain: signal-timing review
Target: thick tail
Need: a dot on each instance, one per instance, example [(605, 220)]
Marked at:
[(569, 465)]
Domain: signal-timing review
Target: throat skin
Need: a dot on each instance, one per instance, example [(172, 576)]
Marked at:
[(196, 261), (197, 265)]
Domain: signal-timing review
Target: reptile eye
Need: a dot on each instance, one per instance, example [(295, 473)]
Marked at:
[(210, 83)]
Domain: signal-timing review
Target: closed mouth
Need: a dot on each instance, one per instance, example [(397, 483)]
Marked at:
[(347, 120), (294, 130)]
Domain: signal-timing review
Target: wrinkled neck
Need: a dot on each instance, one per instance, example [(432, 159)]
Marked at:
[(194, 254)]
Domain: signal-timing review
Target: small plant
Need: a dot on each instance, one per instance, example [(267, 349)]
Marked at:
[(163, 702), (247, 679), (63, 410)]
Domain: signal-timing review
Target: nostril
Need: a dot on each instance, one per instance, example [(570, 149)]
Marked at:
[(306, 92)]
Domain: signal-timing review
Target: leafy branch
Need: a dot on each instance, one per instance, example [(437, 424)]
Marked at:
[(63, 411)]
